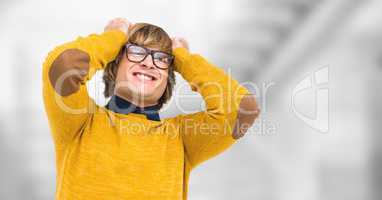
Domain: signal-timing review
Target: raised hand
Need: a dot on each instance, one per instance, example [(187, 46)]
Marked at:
[(178, 42), (121, 24)]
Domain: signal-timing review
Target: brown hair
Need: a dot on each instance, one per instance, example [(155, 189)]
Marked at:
[(147, 35)]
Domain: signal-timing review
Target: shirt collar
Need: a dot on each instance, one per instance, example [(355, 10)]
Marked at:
[(120, 105)]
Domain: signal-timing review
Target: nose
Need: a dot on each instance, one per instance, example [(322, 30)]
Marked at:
[(148, 62)]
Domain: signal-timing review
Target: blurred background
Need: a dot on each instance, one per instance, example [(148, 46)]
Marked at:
[(314, 65)]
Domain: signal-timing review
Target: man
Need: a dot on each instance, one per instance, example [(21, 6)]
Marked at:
[(124, 150)]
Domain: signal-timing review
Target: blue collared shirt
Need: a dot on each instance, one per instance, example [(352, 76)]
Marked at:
[(119, 105)]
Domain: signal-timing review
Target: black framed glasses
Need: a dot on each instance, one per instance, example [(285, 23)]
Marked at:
[(137, 54)]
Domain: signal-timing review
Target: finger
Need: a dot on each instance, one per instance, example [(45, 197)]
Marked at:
[(119, 19), (123, 20), (176, 39), (182, 40)]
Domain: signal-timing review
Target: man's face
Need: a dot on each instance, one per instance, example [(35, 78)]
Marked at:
[(142, 81)]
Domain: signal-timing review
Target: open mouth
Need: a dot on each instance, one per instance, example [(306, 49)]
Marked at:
[(144, 77)]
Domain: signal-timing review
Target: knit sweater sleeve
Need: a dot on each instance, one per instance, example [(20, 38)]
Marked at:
[(206, 134), (67, 113)]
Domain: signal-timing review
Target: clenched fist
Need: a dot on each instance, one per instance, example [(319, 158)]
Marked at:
[(121, 24), (179, 43)]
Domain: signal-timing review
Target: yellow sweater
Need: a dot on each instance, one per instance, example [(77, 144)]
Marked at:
[(110, 156)]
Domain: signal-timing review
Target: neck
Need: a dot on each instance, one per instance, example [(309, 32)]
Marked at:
[(123, 106), (139, 102)]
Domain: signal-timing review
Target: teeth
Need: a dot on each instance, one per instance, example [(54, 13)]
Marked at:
[(144, 77)]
